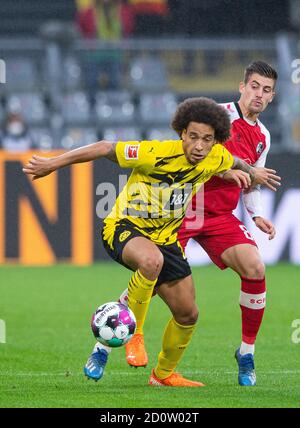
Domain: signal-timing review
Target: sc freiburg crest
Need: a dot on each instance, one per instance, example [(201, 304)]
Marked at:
[(259, 148)]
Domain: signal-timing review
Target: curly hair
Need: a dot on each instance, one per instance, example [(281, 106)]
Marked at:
[(202, 110)]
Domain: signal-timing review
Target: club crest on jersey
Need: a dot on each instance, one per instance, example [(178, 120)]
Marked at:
[(131, 151), (259, 148), (124, 235)]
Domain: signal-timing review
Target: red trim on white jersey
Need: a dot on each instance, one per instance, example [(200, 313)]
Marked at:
[(235, 113), (249, 141)]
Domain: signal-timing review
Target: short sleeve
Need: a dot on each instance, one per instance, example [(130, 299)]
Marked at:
[(135, 154), (144, 154)]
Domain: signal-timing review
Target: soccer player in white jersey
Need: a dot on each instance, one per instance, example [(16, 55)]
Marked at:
[(227, 240)]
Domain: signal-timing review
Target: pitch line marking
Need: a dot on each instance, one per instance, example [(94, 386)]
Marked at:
[(125, 373)]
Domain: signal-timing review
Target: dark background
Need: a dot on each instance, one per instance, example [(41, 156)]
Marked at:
[(187, 17)]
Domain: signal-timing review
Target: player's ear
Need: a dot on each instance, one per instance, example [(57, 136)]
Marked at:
[(241, 87), (183, 134), (272, 98)]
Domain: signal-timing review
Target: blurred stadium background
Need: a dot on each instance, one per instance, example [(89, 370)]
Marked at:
[(71, 87)]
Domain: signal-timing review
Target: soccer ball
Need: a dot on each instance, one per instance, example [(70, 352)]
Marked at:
[(113, 324)]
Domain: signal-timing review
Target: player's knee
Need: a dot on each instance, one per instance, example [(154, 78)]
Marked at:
[(255, 270), (188, 317), (151, 264), (260, 270)]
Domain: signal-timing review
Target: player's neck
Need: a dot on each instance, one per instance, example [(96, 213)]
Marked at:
[(252, 117)]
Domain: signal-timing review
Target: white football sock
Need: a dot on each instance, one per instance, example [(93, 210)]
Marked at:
[(100, 346), (246, 349), (124, 297)]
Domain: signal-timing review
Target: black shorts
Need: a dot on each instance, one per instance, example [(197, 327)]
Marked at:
[(175, 264)]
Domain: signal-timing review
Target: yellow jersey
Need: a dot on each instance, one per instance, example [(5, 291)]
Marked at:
[(160, 186)]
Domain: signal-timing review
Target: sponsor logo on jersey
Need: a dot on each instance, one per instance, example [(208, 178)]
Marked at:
[(131, 151), (259, 148), (124, 235)]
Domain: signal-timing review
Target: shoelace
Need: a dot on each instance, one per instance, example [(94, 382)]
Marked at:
[(247, 363), (139, 339), (177, 375), (101, 357)]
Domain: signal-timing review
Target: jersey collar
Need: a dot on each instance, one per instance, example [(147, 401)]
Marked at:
[(238, 108)]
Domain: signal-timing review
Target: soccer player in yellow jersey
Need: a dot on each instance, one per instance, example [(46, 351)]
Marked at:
[(141, 230)]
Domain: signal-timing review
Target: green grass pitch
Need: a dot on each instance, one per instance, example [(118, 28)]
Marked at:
[(48, 339)]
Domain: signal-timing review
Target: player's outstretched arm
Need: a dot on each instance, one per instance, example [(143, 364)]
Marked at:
[(259, 176), (40, 166)]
